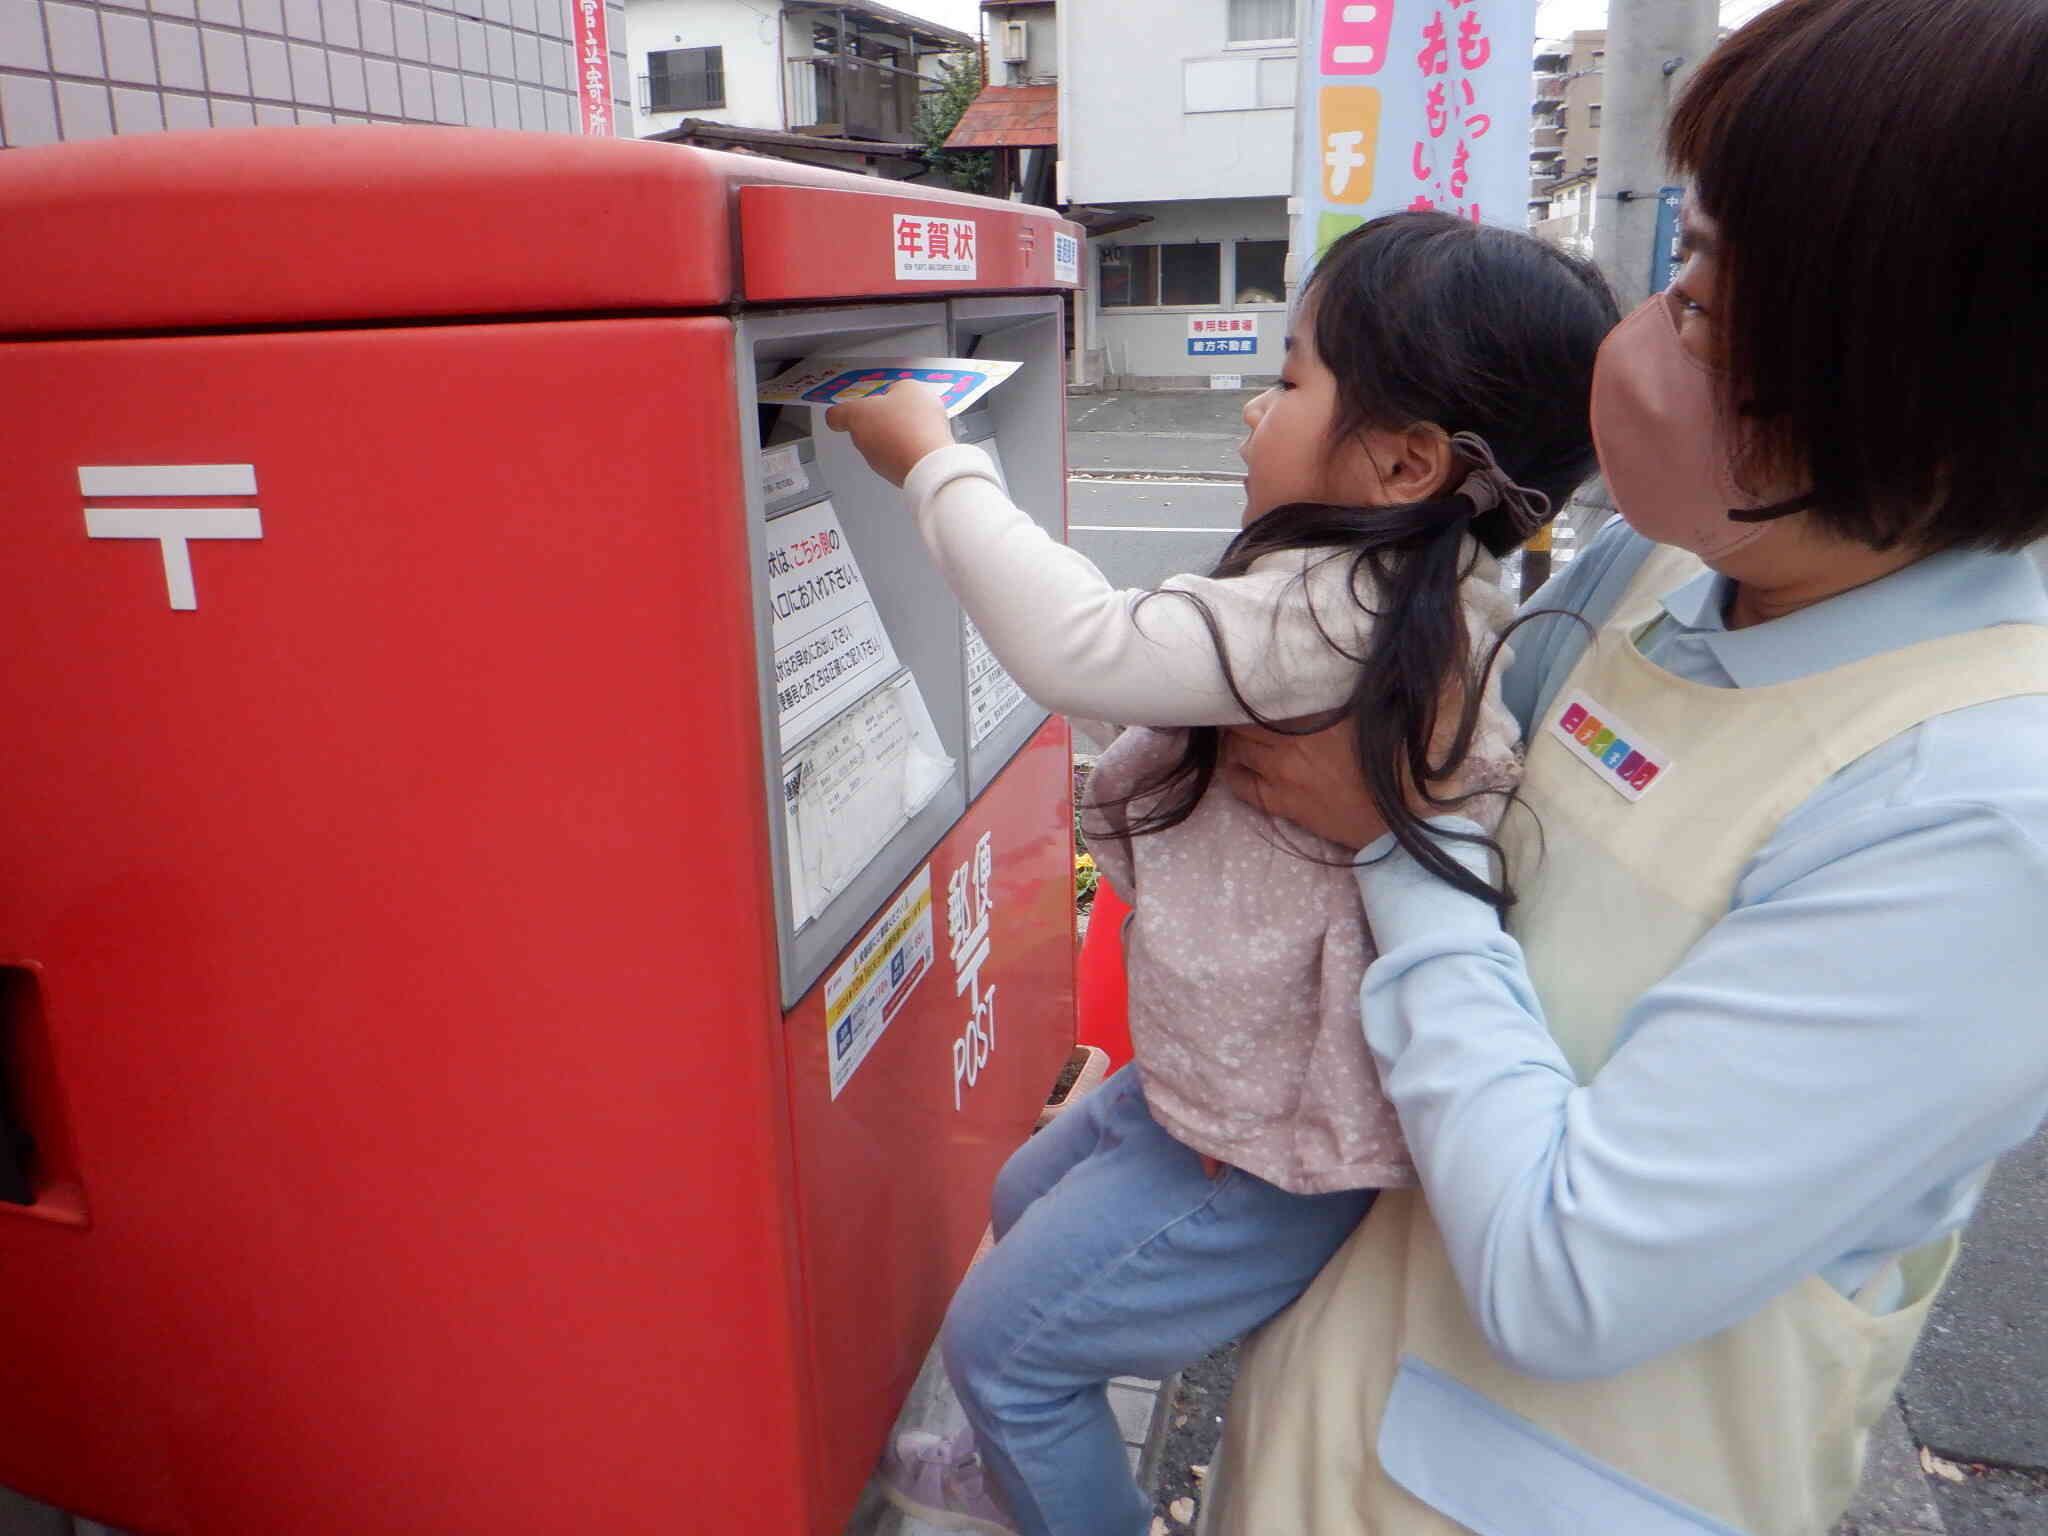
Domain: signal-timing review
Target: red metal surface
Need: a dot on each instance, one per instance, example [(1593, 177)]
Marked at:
[(412, 1015), (785, 257), (212, 228), (393, 990), (1102, 991), (893, 1178)]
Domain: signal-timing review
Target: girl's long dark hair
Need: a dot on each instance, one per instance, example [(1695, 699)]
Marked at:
[(1421, 317)]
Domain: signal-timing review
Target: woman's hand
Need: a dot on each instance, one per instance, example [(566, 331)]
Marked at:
[(895, 429), (1312, 781)]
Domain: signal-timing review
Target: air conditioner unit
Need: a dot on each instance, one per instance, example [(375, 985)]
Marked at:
[(1016, 42)]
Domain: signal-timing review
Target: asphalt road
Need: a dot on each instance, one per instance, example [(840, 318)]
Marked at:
[(1142, 531)]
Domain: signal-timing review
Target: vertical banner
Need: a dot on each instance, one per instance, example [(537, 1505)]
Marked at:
[(593, 70), (1664, 260), (1411, 104)]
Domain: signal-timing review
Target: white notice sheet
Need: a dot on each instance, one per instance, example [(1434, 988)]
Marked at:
[(830, 646), (992, 694), (852, 785)]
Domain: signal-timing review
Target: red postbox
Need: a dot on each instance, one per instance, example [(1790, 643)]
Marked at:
[(469, 1060)]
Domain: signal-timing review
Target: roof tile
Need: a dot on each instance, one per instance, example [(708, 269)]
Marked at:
[(1009, 115)]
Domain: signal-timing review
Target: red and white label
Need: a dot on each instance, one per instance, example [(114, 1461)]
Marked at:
[(935, 250), (593, 71)]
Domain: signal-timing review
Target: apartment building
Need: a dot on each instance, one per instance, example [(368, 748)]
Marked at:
[(816, 69), (1176, 128), (1564, 138)]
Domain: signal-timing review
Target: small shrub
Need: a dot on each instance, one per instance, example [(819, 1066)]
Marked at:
[(1086, 878)]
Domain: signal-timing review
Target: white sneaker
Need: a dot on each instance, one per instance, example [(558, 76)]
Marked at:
[(939, 1479)]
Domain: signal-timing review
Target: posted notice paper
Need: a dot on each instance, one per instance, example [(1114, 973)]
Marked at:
[(852, 785), (830, 646)]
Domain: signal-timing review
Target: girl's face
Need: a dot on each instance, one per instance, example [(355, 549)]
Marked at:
[(1289, 455)]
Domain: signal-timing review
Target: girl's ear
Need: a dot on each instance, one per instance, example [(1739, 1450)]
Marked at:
[(1413, 464)]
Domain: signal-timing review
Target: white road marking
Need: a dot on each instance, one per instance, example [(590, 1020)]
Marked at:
[(1117, 480)]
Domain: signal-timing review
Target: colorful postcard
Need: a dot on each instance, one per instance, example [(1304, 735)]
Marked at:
[(826, 381)]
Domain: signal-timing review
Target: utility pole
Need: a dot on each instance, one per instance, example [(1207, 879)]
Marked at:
[(1652, 47)]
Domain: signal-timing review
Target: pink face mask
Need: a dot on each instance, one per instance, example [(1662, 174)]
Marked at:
[(1658, 432)]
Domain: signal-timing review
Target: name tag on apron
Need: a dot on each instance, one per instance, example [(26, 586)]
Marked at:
[(1618, 753)]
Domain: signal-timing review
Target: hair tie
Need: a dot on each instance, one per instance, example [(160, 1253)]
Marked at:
[(1489, 486)]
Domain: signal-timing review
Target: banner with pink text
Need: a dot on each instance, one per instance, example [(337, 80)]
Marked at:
[(593, 70), (1412, 104)]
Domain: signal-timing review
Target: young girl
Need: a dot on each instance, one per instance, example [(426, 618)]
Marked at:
[(1433, 406)]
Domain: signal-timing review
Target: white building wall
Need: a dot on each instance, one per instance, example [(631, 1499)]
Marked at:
[(1041, 33), (1148, 347), (753, 41), (1130, 73)]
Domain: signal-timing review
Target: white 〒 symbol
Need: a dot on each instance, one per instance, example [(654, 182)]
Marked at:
[(171, 527), (1343, 158)]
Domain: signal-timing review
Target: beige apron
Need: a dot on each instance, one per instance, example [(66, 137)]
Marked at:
[(1759, 1429)]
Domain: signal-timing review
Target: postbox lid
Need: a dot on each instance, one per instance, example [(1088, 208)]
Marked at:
[(298, 225)]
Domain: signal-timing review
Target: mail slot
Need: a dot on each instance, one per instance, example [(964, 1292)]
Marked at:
[(531, 920)]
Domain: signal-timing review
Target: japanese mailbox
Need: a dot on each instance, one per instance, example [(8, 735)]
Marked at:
[(530, 917)]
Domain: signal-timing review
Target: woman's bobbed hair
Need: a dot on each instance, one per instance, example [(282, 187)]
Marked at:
[(1878, 172)]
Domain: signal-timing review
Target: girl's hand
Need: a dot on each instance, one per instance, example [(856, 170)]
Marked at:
[(1312, 781), (895, 429)]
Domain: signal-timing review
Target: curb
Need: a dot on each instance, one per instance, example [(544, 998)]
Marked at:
[(1155, 1436)]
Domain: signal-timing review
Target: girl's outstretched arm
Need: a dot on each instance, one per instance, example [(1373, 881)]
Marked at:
[(1079, 645)]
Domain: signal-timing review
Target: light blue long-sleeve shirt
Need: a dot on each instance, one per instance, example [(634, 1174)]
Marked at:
[(1825, 1079)]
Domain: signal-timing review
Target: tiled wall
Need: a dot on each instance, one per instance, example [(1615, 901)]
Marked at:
[(78, 69)]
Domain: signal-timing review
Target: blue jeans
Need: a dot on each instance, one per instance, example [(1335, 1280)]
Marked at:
[(1116, 1255)]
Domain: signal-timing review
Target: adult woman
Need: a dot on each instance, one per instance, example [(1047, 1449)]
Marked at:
[(1682, 1217)]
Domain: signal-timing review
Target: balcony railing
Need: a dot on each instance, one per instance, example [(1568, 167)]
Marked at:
[(839, 96)]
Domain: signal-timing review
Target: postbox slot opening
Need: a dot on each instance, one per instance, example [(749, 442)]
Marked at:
[(20, 1013)]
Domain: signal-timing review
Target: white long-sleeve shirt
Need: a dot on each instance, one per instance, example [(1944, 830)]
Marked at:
[(1083, 647)]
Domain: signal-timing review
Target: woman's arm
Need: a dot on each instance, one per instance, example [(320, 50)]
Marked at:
[(1821, 1082)]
